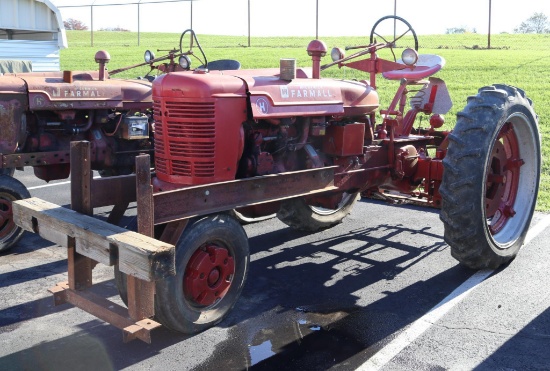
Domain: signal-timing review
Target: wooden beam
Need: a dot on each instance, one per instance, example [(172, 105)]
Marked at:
[(138, 255), (215, 197)]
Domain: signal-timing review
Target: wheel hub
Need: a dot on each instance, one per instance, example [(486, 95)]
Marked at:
[(503, 179), (208, 275)]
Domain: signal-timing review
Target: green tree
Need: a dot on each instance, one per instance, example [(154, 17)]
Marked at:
[(74, 24), (537, 23)]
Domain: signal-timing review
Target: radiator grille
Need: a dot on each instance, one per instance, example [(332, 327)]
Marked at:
[(185, 134)]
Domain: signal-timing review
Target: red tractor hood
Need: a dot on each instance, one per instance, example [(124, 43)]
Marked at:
[(48, 91), (271, 97)]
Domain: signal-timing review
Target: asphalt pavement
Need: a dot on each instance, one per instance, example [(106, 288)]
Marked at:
[(379, 291)]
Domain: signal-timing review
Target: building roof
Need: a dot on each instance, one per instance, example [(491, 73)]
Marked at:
[(32, 17)]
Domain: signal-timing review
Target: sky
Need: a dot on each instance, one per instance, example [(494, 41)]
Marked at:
[(298, 17)]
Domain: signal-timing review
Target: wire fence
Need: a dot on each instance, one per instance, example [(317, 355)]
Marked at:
[(473, 24)]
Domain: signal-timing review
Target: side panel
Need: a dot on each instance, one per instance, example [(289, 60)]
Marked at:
[(13, 102)]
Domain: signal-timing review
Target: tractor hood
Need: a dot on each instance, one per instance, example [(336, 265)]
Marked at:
[(49, 91), (271, 97)]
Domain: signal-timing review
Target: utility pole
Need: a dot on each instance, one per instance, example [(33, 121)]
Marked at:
[(316, 19), (489, 33)]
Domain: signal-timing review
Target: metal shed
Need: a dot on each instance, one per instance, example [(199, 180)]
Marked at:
[(31, 30)]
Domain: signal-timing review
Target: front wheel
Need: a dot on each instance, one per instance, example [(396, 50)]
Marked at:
[(211, 266), (10, 190), (297, 214), (491, 177)]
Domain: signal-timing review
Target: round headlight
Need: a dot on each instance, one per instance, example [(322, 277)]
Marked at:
[(336, 54), (149, 56), (409, 57), (184, 62)]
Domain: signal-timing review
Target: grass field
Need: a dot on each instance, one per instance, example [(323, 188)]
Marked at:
[(519, 60)]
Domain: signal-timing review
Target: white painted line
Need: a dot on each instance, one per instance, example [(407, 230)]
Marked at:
[(386, 354), (422, 324), (47, 185), (538, 228), (54, 184)]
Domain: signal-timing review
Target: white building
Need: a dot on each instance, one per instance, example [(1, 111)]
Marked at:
[(31, 30)]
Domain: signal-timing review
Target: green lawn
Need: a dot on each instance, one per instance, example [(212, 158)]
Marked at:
[(519, 60)]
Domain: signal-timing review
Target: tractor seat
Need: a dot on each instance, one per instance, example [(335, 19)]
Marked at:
[(427, 65), (223, 65)]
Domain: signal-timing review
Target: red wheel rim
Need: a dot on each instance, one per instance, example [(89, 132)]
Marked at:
[(502, 179), (208, 275), (6, 218)]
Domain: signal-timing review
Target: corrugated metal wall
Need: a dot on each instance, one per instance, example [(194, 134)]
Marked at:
[(27, 15), (31, 30), (44, 55)]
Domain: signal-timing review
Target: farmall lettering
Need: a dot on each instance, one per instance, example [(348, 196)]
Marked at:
[(309, 92), (77, 92)]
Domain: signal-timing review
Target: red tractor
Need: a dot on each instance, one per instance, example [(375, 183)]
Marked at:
[(216, 126), (41, 113)]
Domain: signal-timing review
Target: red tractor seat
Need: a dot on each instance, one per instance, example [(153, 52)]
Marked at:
[(427, 65)]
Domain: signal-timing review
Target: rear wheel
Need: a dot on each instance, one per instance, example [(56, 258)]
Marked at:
[(211, 266), (491, 177), (297, 214), (10, 190)]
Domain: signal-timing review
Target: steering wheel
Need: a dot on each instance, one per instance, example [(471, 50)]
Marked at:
[(396, 37), (193, 39)]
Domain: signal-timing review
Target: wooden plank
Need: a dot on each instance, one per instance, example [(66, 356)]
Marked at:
[(138, 255), (80, 266), (81, 178), (105, 191), (145, 207), (141, 294), (215, 197), (79, 269)]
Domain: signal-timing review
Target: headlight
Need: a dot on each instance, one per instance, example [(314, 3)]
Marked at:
[(336, 54), (149, 56), (409, 57), (184, 62)]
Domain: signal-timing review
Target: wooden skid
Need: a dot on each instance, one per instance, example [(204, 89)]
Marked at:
[(138, 255), (106, 310)]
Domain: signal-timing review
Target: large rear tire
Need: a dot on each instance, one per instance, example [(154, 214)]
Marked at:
[(10, 190), (491, 177), (212, 261), (297, 214)]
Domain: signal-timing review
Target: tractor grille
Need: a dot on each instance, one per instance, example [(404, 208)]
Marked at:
[(185, 135)]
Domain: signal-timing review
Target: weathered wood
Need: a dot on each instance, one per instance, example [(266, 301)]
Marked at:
[(80, 266), (141, 298), (173, 231), (138, 255), (79, 270), (106, 310), (141, 294), (116, 214), (112, 190), (145, 207), (222, 196), (81, 178)]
